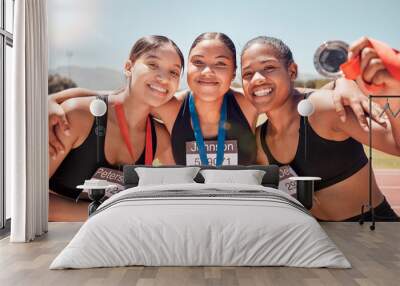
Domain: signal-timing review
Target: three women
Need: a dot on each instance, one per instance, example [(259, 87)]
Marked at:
[(213, 115)]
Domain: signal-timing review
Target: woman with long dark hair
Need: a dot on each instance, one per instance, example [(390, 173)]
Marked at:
[(126, 133)]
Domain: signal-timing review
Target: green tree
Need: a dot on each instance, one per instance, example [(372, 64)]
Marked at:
[(58, 83)]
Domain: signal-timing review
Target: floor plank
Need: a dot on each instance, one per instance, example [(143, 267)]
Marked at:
[(374, 255)]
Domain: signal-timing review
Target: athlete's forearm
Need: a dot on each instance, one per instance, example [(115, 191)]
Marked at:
[(330, 85), (392, 110), (64, 95)]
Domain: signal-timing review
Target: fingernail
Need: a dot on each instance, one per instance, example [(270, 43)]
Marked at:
[(62, 151), (342, 118), (53, 157), (66, 132)]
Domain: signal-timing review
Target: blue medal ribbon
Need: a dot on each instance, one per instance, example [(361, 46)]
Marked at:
[(199, 136)]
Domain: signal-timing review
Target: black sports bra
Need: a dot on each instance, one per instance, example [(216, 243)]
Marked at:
[(333, 161), (82, 162), (237, 128)]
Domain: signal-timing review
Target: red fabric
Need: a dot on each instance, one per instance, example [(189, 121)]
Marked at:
[(148, 159), (351, 69), (390, 59), (123, 127)]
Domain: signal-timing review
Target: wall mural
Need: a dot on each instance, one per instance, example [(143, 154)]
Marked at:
[(122, 92)]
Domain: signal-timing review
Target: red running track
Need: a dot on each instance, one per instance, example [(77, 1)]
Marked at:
[(389, 183)]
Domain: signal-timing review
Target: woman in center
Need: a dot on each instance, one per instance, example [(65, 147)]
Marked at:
[(212, 125)]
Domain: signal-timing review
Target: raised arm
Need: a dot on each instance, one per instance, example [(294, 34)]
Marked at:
[(374, 77), (373, 69), (385, 138)]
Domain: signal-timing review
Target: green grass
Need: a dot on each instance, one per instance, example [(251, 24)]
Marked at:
[(382, 160)]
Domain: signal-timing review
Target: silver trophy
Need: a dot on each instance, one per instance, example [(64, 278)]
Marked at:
[(328, 58)]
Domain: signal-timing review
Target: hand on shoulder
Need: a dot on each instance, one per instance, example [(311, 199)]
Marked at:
[(77, 112)]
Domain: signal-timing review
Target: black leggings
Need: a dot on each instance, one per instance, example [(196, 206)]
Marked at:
[(383, 212)]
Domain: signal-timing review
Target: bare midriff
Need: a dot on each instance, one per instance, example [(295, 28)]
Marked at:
[(343, 200)]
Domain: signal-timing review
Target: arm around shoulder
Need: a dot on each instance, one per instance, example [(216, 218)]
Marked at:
[(249, 111), (78, 114), (64, 95), (385, 138)]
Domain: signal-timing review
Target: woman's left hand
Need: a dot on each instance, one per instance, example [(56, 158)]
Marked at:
[(347, 93), (373, 71)]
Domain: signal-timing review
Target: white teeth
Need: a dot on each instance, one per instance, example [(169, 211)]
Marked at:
[(263, 92), (207, 82), (160, 89)]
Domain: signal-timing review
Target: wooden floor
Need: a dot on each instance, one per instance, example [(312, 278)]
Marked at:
[(374, 255)]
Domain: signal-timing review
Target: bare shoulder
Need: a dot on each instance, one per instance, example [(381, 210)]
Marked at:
[(161, 130), (77, 109), (79, 117), (247, 108), (164, 148), (243, 102), (167, 112), (172, 106), (261, 157)]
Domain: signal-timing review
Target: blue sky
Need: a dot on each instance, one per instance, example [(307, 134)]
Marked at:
[(100, 33)]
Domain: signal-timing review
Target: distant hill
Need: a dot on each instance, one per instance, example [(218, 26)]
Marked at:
[(109, 79), (308, 76), (92, 78), (98, 78)]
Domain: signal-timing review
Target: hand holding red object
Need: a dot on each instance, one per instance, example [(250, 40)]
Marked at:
[(374, 65)]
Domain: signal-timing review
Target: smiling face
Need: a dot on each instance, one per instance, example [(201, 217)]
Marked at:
[(267, 81), (210, 70), (155, 75)]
